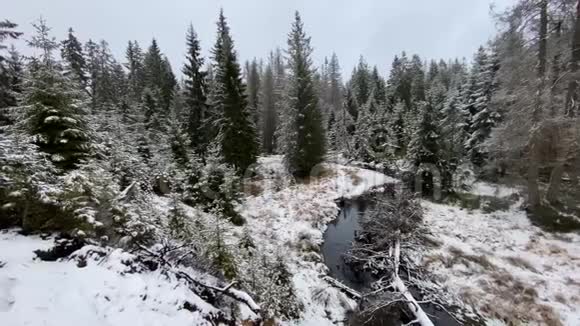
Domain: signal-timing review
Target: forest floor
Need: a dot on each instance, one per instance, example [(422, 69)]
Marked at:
[(502, 265)]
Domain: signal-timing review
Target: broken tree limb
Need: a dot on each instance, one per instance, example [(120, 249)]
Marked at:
[(228, 290), (336, 283), (399, 286)]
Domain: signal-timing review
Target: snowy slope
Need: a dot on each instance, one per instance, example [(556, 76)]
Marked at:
[(33, 292), (290, 219), (503, 265)]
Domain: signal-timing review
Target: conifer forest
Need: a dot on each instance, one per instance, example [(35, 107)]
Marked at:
[(288, 189)]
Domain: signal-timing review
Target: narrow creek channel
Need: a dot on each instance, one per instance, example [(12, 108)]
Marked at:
[(338, 240)]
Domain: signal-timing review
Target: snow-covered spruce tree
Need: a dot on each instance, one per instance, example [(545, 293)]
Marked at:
[(135, 76), (340, 136), (72, 54), (219, 251), (53, 106), (364, 131), (379, 88), (239, 145), (153, 119), (417, 77), (425, 150), (399, 84), (335, 91), (9, 70), (453, 126), (218, 188), (303, 136), (26, 176), (361, 83), (159, 77), (397, 126), (195, 93), (7, 32), (482, 117), (11, 73)]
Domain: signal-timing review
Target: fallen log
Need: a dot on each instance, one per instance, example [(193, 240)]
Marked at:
[(336, 283)]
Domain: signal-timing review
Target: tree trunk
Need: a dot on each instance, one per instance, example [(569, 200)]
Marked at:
[(542, 54), (555, 71), (571, 96), (533, 189), (543, 39), (555, 182)]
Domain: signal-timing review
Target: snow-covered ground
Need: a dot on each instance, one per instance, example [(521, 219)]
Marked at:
[(290, 220), (498, 262), (34, 292), (285, 218), (503, 265)]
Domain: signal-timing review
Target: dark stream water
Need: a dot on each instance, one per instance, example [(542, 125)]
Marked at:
[(338, 240)]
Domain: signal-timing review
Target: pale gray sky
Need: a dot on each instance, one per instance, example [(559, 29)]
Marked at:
[(377, 29)]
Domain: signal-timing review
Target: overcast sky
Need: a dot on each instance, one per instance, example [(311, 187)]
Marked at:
[(377, 29)]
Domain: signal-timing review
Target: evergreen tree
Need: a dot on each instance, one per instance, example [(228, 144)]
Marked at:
[(335, 87), (153, 66), (53, 105), (253, 89), (398, 127), (11, 71), (303, 133), (364, 128), (168, 85), (399, 84), (268, 111), (425, 148), (483, 117), (340, 135), (361, 84), (237, 131), (417, 79), (134, 65), (433, 72), (72, 53), (453, 127), (378, 87), (159, 77), (7, 32), (105, 77), (195, 93)]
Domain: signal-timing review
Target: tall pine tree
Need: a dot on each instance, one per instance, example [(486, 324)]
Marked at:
[(195, 93), (303, 132), (239, 146), (72, 53), (52, 105)]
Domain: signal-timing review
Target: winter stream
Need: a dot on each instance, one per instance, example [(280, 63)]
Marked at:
[(338, 240)]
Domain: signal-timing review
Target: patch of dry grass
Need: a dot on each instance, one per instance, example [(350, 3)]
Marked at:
[(521, 263), (514, 301), (458, 256)]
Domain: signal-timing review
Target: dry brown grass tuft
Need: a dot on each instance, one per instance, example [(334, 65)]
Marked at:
[(521, 263), (458, 256)]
